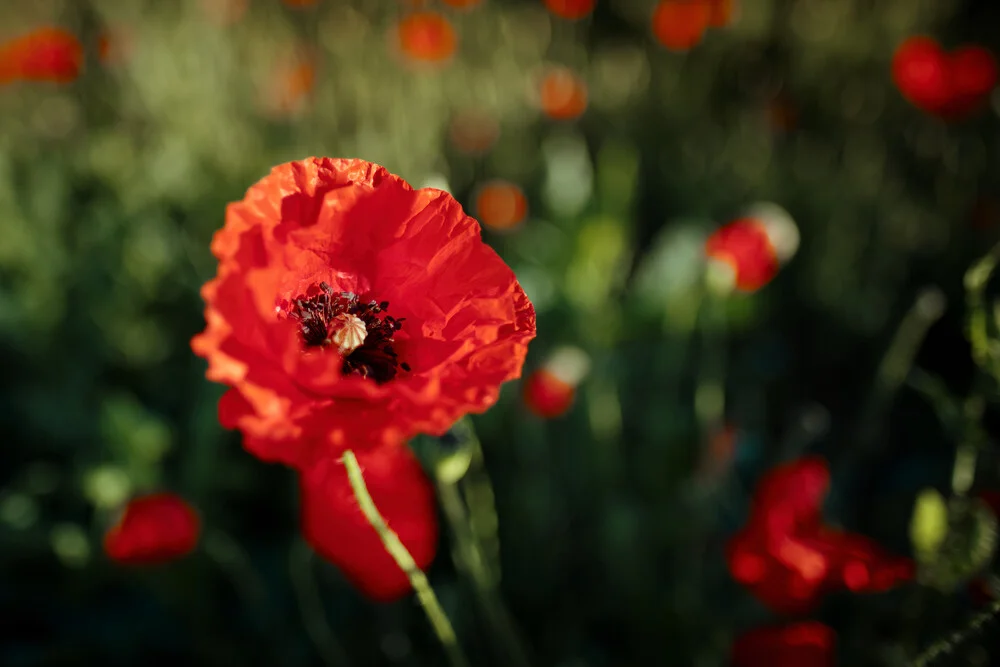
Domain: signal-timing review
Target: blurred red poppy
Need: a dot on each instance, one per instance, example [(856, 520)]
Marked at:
[(311, 264), (153, 529), (789, 558), (501, 205), (335, 527), (570, 9), (950, 86), (546, 395), (680, 24), (549, 392), (806, 644), (744, 247), (45, 54), (562, 94), (426, 37)]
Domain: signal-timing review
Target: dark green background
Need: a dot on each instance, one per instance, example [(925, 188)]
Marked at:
[(611, 545)]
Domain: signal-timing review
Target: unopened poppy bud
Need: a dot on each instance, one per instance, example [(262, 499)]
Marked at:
[(348, 333)]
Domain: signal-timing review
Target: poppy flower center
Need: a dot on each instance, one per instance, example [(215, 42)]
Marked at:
[(361, 332)]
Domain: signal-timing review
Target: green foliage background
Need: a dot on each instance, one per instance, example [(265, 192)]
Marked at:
[(610, 531)]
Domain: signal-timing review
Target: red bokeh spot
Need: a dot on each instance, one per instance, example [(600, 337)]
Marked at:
[(570, 9), (153, 529), (427, 37), (744, 245), (950, 86), (562, 95), (546, 395), (679, 24), (46, 54), (501, 205)]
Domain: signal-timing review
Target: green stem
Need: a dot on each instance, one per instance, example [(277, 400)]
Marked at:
[(395, 548), (897, 362), (957, 638)]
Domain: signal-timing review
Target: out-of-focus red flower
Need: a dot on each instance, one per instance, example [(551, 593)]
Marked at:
[(462, 4), (550, 391), (153, 529), (333, 523), (680, 24), (351, 311), (298, 4), (951, 86), (562, 94), (570, 9), (501, 205), (46, 54), (789, 558), (743, 245), (426, 37), (806, 644), (546, 395)]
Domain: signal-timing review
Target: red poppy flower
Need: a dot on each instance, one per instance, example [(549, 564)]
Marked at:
[(550, 391), (562, 95), (426, 37), (570, 9), (153, 529), (744, 248), (680, 24), (333, 523), (789, 558), (45, 54), (350, 310), (807, 644), (948, 85), (501, 205)]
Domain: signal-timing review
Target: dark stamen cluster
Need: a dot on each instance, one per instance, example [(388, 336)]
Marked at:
[(320, 305)]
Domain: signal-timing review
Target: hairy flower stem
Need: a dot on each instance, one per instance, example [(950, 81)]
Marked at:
[(956, 639), (395, 548)]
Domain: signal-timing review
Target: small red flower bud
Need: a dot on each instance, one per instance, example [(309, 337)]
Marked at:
[(153, 529)]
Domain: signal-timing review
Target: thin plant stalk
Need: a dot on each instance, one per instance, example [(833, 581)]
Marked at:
[(395, 548)]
